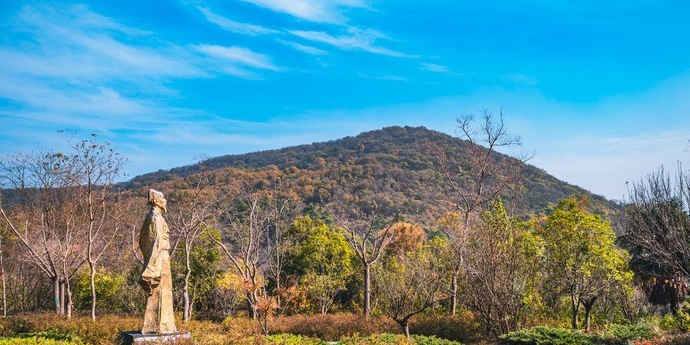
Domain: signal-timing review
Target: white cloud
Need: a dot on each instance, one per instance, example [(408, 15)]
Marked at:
[(355, 39), (303, 48), (432, 67), (320, 11), (74, 44), (232, 59), (383, 77), (233, 26), (76, 69)]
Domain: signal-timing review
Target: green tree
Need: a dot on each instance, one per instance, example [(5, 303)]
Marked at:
[(501, 270), (582, 259), (199, 267), (322, 257), (109, 286)]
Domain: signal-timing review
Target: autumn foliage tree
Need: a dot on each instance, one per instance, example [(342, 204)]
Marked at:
[(412, 282)]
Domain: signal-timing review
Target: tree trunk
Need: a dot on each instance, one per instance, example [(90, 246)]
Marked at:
[(588, 311), (56, 294), (251, 307), (4, 294), (68, 307), (92, 267), (576, 309), (454, 292), (404, 323), (277, 291), (185, 288), (4, 283), (367, 289), (62, 297)]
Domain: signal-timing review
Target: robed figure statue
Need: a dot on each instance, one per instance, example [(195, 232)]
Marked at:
[(156, 279)]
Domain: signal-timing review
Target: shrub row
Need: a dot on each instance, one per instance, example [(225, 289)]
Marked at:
[(614, 335), (333, 327)]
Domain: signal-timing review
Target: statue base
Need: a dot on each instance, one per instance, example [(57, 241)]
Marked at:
[(135, 337)]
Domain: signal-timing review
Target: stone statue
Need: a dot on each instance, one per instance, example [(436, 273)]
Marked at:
[(156, 279)]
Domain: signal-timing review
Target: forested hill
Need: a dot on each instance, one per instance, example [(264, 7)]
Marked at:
[(394, 161)]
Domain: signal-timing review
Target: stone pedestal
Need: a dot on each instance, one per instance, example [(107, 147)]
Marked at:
[(135, 337)]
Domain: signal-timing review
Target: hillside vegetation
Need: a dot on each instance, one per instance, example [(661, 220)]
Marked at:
[(396, 162)]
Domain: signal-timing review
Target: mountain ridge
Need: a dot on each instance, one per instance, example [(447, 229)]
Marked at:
[(392, 160)]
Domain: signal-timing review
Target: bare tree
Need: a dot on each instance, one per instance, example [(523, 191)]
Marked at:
[(192, 205), (411, 284), (93, 168), (41, 214), (656, 227), (248, 219), (368, 232), (479, 178)]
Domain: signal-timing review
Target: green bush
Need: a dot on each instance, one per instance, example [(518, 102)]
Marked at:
[(113, 294), (291, 339), (48, 338), (679, 323), (396, 339), (432, 340), (377, 339), (623, 334), (35, 341), (545, 336)]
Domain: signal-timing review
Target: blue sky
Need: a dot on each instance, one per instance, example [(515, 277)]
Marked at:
[(600, 90)]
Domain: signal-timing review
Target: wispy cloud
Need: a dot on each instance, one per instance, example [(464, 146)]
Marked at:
[(432, 67), (523, 79), (355, 39), (76, 69), (233, 26), (75, 43), (383, 77), (320, 11), (303, 48), (234, 60)]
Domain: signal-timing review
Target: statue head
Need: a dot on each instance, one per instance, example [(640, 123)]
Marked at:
[(157, 198)]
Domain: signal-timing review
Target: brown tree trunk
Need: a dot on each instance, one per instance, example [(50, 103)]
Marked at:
[(251, 307), (406, 328), (588, 304), (367, 289), (576, 309), (454, 292)]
